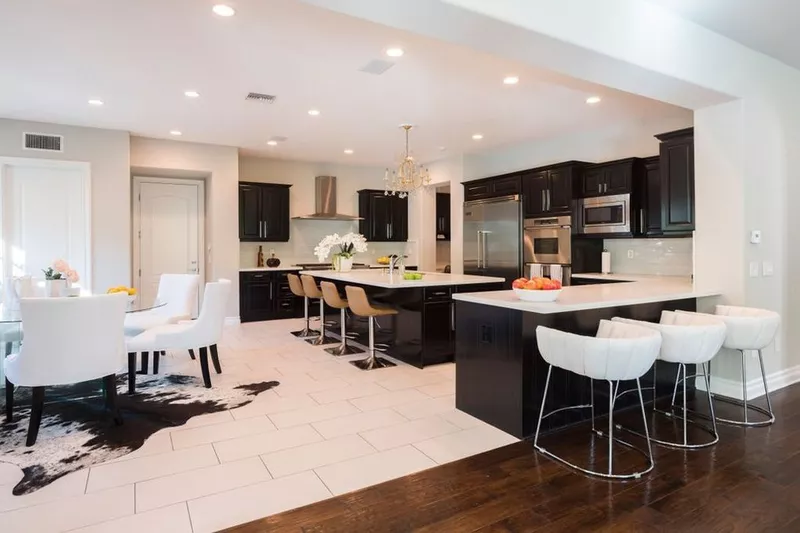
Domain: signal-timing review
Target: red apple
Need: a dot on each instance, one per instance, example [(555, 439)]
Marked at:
[(548, 285), (532, 285), (519, 283), (557, 284)]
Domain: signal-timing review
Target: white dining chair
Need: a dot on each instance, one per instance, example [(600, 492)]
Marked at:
[(619, 352), (179, 291), (203, 333), (67, 340)]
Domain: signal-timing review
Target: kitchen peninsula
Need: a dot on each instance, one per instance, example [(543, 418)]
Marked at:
[(423, 331), (500, 374)]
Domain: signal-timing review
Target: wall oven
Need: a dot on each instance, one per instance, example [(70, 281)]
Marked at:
[(604, 215), (548, 240)]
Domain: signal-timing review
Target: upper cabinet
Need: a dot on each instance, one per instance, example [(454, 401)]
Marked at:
[(442, 216), (505, 185), (607, 179), (676, 159), (385, 218), (649, 222), (263, 212), (548, 191)]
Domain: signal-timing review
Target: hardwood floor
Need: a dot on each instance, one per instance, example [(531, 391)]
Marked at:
[(749, 481)]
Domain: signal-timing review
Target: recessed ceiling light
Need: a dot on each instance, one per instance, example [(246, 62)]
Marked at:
[(313, 112), (477, 137), (511, 80), (394, 52), (348, 151), (95, 102), (223, 11), (192, 94), (593, 100), (176, 133), (272, 143)]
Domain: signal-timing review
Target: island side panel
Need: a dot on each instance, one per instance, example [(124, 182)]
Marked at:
[(500, 374)]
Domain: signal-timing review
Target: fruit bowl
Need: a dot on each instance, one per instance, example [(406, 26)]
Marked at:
[(537, 296)]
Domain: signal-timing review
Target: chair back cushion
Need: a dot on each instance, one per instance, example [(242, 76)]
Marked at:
[(207, 329), (686, 337), (70, 340), (295, 285), (179, 291), (310, 287), (618, 352), (748, 328), (331, 295)]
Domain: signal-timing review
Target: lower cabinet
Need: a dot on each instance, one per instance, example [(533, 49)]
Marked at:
[(265, 295), (438, 335)]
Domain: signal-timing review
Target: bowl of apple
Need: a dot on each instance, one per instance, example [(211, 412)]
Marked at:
[(537, 289)]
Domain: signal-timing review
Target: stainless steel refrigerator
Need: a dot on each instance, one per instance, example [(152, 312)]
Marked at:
[(493, 237)]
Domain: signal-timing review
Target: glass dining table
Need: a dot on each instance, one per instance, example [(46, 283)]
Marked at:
[(11, 327)]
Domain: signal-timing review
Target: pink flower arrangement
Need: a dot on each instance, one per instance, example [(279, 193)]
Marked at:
[(61, 270), (72, 276), (59, 265)]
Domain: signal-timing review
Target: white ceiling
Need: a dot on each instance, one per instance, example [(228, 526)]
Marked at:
[(140, 56), (768, 26)]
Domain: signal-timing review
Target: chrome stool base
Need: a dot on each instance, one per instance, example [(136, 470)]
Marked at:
[(609, 473), (305, 333), (344, 349), (372, 363), (321, 340)]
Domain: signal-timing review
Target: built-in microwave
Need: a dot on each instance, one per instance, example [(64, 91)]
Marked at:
[(604, 214)]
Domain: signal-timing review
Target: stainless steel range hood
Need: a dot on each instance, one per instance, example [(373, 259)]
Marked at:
[(325, 201)]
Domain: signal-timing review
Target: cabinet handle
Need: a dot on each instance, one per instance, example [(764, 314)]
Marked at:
[(549, 204), (260, 230), (600, 188), (452, 316), (643, 229), (544, 202), (259, 276), (387, 230), (270, 291)]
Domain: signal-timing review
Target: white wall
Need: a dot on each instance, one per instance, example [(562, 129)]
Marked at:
[(107, 151), (306, 234), (220, 166)]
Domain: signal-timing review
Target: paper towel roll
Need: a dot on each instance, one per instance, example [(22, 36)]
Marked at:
[(605, 263)]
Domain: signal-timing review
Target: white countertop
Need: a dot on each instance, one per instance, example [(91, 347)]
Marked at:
[(269, 269), (382, 279), (645, 289)]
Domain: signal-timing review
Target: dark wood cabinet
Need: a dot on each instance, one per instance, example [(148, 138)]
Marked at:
[(605, 179), (438, 325), (676, 158), (505, 185), (385, 218), (265, 295), (548, 191), (263, 212), (442, 216), (650, 200)]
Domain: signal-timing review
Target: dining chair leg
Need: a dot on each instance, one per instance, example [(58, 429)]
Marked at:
[(215, 358), (110, 388), (156, 357), (9, 401), (37, 406), (145, 362), (131, 372), (191, 354), (204, 367)]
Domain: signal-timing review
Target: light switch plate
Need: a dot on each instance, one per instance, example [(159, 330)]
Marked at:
[(755, 236), (630, 254), (767, 268), (753, 269)]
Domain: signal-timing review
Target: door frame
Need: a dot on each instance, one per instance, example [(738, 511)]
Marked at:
[(86, 179), (137, 225)]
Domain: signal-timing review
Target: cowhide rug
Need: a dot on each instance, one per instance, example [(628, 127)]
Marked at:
[(77, 432)]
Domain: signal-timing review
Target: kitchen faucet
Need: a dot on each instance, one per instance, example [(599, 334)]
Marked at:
[(394, 259)]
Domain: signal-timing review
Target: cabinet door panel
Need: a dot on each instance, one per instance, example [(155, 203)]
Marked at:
[(535, 187), (257, 302), (653, 200), (249, 212), (506, 186), (380, 217), (592, 182), (677, 185), (475, 191), (443, 216), (560, 192), (398, 225), (275, 213), (438, 335), (618, 179)]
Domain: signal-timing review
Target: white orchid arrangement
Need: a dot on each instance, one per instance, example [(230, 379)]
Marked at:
[(349, 245)]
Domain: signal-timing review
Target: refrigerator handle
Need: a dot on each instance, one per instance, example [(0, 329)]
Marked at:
[(484, 261)]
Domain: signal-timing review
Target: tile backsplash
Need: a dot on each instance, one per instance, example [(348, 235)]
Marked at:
[(665, 257)]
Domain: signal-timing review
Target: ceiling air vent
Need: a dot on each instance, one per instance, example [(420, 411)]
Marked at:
[(377, 67), (44, 142), (260, 97)]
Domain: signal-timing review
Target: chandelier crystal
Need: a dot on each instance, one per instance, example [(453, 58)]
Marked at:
[(409, 176)]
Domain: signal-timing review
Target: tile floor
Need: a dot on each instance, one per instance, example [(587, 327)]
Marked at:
[(328, 429)]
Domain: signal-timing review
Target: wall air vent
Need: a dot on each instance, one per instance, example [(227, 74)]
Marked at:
[(261, 97), (377, 67), (43, 142)]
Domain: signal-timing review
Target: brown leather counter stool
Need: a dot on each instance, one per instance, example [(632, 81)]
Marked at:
[(331, 295), (313, 292), (360, 306), (296, 287)]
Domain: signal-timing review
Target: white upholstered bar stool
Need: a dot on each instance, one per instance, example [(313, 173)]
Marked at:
[(748, 329), (687, 339), (619, 352)]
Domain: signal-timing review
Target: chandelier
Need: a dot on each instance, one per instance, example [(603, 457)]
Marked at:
[(409, 176)]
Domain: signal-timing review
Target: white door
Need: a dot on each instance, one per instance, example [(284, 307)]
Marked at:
[(44, 217), (169, 231)]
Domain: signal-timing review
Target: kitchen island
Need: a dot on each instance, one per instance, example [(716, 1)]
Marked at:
[(500, 374), (423, 331)]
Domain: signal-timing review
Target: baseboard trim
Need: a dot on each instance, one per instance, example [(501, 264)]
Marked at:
[(755, 388), (232, 321)]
